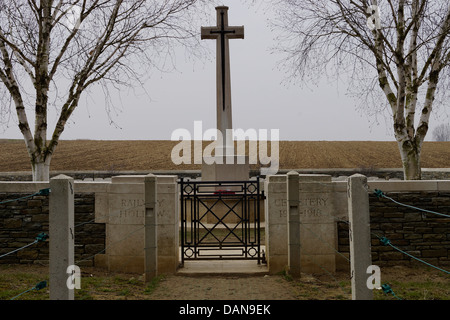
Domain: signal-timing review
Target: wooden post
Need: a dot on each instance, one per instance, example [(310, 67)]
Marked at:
[(61, 237), (293, 224), (151, 235), (360, 239)]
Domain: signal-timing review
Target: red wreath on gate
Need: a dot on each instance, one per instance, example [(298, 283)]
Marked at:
[(224, 192)]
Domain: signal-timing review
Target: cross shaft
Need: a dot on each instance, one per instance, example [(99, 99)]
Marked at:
[(222, 33)]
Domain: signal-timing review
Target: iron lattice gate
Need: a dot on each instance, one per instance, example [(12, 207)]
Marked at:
[(221, 220)]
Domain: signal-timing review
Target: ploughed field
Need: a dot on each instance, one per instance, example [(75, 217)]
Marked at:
[(87, 155)]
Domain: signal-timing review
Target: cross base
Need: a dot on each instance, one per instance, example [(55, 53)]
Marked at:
[(232, 168)]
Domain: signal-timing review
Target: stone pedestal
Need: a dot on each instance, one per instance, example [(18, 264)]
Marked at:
[(233, 168)]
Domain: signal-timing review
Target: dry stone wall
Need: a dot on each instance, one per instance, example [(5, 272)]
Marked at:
[(22, 221), (423, 235)]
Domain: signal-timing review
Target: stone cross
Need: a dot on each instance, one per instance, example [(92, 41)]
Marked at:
[(222, 33)]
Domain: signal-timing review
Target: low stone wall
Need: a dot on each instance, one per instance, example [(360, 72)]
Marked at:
[(22, 221), (96, 175), (426, 236), (423, 235)]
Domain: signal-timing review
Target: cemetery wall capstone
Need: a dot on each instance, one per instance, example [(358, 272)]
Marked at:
[(343, 173)]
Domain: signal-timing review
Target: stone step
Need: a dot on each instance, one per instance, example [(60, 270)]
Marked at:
[(223, 267)]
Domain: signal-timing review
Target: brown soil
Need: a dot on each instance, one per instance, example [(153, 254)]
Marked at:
[(86, 155)]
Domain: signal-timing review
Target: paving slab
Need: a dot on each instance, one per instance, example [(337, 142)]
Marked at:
[(223, 267)]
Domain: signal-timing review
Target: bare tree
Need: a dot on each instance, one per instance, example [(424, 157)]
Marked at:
[(400, 46), (52, 51), (442, 132)]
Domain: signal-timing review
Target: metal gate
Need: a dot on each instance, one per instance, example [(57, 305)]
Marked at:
[(221, 220)]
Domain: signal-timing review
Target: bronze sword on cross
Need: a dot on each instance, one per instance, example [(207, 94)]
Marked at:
[(223, 32)]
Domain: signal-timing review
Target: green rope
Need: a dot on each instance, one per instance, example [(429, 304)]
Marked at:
[(388, 290), (37, 287), (387, 242), (43, 192), (40, 238), (429, 264), (83, 223), (26, 246), (328, 272), (330, 246), (380, 194), (112, 244)]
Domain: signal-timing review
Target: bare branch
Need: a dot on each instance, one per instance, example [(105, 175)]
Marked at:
[(409, 48), (64, 54)]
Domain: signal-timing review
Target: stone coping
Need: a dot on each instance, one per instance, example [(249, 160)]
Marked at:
[(103, 186), (175, 172)]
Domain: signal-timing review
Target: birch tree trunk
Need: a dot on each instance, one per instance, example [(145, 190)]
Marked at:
[(41, 170), (407, 44), (410, 155), (43, 44)]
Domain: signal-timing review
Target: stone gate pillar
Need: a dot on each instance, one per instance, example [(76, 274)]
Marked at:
[(122, 209), (317, 224), (168, 225), (275, 211)]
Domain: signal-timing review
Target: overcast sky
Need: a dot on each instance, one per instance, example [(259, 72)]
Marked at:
[(261, 98)]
